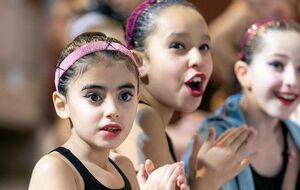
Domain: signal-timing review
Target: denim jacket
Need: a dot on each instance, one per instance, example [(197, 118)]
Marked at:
[(228, 116)]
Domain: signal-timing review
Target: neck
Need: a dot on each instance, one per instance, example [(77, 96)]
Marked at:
[(256, 117), (85, 152), (165, 112)]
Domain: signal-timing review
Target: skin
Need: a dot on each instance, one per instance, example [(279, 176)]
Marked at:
[(226, 34), (274, 71), (165, 97), (176, 52), (108, 94)]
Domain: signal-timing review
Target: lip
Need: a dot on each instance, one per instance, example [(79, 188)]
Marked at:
[(111, 130), (197, 90), (286, 98)]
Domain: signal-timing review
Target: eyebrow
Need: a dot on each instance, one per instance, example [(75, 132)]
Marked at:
[(281, 55), (99, 87), (183, 34)]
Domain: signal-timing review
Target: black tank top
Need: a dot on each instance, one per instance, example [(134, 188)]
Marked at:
[(90, 182), (274, 182)]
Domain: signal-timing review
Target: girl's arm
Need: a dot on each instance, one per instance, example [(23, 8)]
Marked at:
[(51, 173)]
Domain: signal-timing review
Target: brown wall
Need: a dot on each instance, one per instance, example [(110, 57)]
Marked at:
[(211, 8)]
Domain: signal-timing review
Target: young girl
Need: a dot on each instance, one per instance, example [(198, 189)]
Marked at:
[(269, 73), (97, 86), (171, 40)]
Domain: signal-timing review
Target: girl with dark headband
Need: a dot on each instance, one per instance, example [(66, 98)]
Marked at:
[(97, 90), (171, 40), (269, 74)]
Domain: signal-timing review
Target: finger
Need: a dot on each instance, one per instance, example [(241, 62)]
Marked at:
[(244, 162), (184, 187), (211, 135), (240, 141), (149, 167), (210, 141), (181, 179), (252, 133), (225, 134), (141, 175), (231, 136), (193, 156), (175, 171)]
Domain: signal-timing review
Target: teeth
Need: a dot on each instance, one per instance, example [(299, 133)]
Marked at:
[(288, 96), (112, 129), (197, 79)]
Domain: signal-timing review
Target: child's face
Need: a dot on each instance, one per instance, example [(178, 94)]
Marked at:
[(177, 54), (102, 103), (275, 73)]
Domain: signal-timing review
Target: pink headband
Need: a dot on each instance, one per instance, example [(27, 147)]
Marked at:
[(85, 50), (131, 20), (253, 30), (250, 32)]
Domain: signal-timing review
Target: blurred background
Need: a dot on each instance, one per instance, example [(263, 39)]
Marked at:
[(32, 34)]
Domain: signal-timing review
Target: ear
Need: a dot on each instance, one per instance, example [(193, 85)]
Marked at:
[(60, 105), (141, 63), (241, 70)]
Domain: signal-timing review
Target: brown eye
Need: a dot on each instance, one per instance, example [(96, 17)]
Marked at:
[(93, 97), (125, 96), (204, 47), (277, 65), (177, 45)]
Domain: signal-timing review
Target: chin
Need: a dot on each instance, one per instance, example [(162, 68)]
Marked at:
[(281, 115), (190, 107)]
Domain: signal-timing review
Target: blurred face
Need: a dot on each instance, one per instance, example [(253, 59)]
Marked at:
[(178, 59), (102, 103), (274, 73)]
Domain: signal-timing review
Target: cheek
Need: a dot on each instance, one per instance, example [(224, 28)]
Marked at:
[(209, 66)]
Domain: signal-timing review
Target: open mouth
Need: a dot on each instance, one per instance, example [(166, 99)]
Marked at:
[(111, 130), (195, 85)]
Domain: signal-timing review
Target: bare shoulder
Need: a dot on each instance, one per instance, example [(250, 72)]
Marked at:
[(147, 117), (52, 172), (126, 166)]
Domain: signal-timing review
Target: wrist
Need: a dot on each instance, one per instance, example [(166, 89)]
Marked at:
[(204, 179)]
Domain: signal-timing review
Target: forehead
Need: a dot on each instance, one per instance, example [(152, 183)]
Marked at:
[(180, 19), (278, 41), (111, 72)]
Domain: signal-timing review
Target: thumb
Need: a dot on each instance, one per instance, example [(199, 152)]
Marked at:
[(149, 167)]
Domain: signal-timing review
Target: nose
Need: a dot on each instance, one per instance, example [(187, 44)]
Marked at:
[(195, 57), (111, 108), (290, 76)]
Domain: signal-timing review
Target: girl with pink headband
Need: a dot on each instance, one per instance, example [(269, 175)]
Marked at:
[(97, 90), (269, 74), (171, 40)]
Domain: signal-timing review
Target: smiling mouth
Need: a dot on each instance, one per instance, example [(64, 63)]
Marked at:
[(286, 98)]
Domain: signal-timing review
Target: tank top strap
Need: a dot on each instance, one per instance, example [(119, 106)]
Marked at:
[(90, 182), (127, 183)]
